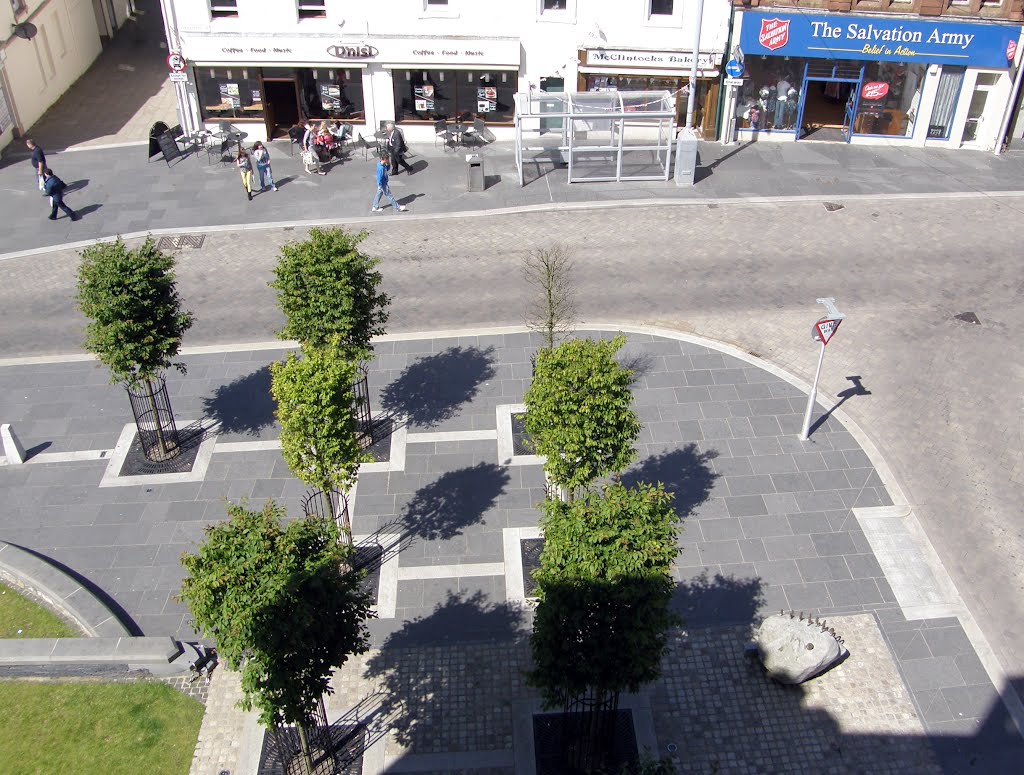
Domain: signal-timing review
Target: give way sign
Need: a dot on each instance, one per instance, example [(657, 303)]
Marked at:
[(824, 330)]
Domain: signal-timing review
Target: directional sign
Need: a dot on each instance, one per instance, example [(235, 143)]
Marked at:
[(176, 62), (733, 68), (824, 330)]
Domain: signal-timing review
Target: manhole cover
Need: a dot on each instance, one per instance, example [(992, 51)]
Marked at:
[(181, 241), (833, 206), (968, 317)]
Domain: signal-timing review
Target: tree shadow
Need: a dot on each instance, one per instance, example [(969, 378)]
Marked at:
[(637, 361), (245, 405), (685, 473), (407, 703), (454, 501), (704, 602), (432, 389)]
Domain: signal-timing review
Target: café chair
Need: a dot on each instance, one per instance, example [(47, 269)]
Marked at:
[(444, 134)]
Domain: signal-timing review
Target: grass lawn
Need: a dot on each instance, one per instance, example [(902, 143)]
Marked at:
[(22, 618), (89, 728)]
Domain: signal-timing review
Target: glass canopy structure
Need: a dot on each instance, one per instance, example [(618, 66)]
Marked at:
[(602, 135)]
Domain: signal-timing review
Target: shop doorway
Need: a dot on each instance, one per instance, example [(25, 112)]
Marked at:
[(281, 105), (829, 100)]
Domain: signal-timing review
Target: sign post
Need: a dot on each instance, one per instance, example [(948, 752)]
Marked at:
[(822, 332)]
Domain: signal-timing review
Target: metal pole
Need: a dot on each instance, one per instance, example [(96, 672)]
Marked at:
[(693, 70), (806, 432)]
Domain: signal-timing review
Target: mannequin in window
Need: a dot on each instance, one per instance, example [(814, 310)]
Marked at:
[(781, 101)]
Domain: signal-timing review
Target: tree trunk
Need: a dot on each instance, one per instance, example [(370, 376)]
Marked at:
[(165, 452), (307, 756)]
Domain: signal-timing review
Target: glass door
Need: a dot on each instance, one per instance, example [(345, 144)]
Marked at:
[(851, 111), (974, 129)]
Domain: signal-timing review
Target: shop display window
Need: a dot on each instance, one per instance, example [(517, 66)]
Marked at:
[(229, 93), (332, 93), (889, 98), (430, 95), (770, 98)]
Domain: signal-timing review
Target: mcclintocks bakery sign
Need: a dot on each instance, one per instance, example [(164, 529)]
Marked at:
[(870, 38)]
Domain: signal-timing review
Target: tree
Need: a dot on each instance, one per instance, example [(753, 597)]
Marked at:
[(579, 411), (319, 439), (327, 288), (136, 321), (552, 311), (605, 586), (280, 607)]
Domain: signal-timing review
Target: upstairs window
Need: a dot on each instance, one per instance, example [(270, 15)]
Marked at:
[(662, 7), (223, 9), (312, 9)]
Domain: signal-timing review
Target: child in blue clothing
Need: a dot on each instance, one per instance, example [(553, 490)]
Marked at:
[(382, 186)]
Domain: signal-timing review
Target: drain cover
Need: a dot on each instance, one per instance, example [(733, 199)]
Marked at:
[(833, 206), (968, 317), (182, 241)]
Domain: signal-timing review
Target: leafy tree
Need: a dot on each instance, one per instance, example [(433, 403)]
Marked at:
[(604, 587), (319, 441), (280, 607), (579, 411), (552, 311), (136, 322), (602, 623), (326, 288)]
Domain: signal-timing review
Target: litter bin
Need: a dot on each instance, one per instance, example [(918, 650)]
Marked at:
[(686, 157), (474, 172)]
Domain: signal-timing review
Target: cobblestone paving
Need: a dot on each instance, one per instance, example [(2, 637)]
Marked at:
[(219, 744)]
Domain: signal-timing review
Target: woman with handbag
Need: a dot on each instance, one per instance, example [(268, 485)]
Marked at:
[(310, 158), (244, 164), (261, 156)]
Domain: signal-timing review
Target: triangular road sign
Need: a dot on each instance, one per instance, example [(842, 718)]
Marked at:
[(827, 329)]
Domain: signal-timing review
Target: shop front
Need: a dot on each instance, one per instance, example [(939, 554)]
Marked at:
[(606, 69), (265, 87), (869, 79)]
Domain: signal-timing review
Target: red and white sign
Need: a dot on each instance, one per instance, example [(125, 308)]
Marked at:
[(774, 33), (826, 329), (875, 90), (1011, 50), (176, 62)]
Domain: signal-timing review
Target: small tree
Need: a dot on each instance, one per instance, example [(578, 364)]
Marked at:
[(319, 439), (552, 310), (280, 608), (136, 322), (605, 585), (579, 411), (327, 288)]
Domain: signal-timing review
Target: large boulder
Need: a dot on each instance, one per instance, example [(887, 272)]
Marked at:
[(794, 649)]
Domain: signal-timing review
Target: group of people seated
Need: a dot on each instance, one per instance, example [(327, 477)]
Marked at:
[(323, 142)]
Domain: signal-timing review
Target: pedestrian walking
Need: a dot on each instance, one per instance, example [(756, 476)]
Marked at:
[(310, 158), (53, 187), (383, 189), (261, 156), (38, 160), (244, 164), (394, 144)]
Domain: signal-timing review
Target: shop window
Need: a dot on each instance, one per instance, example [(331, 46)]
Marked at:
[(222, 9), (889, 98), (462, 95), (946, 97), (312, 9), (332, 93), (231, 93), (770, 97), (661, 8)]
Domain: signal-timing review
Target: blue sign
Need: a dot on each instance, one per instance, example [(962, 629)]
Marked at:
[(734, 69), (879, 39)]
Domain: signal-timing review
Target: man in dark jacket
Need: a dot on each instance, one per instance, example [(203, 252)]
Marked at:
[(394, 144), (54, 187), (38, 160)]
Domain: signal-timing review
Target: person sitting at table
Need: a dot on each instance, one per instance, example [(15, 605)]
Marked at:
[(325, 142), (341, 131)]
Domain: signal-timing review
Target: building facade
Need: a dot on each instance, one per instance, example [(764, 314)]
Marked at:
[(265, 66), (48, 45), (923, 72)]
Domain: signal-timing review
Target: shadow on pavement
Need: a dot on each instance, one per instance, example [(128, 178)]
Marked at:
[(243, 406), (684, 473), (433, 388), (454, 501)]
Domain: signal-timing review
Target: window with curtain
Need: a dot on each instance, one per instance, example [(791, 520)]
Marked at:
[(950, 81)]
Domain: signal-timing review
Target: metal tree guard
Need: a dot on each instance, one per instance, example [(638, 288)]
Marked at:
[(288, 747), (588, 729), (361, 406), (315, 504), (154, 418)]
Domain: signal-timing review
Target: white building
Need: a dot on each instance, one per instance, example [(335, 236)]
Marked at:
[(264, 66), (48, 44)]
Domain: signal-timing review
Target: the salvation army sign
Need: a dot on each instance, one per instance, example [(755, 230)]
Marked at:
[(774, 33), (875, 90), (1011, 50)]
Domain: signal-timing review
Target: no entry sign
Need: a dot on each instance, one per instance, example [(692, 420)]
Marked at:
[(824, 330)]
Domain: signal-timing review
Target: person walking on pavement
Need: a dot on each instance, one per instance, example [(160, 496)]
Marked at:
[(38, 160), (53, 187), (383, 189), (261, 156), (309, 154), (394, 144), (244, 164)]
